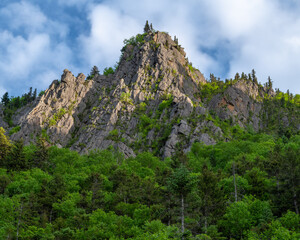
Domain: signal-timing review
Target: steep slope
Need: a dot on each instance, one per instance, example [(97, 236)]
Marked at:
[(105, 111), (154, 101)]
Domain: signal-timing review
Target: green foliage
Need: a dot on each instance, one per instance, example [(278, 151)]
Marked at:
[(94, 71), (291, 221), (274, 230), (41, 93), (5, 99), (142, 107), (108, 71), (209, 89), (16, 157), (147, 27), (5, 145), (134, 41), (114, 135), (45, 135), (240, 216), (146, 124), (90, 77), (57, 116), (125, 98), (52, 193), (165, 104), (181, 181), (11, 105), (14, 130), (283, 105), (191, 68)]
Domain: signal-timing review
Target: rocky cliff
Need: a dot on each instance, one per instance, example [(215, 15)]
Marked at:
[(152, 102)]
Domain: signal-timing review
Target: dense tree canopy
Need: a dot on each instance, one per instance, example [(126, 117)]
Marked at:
[(51, 193)]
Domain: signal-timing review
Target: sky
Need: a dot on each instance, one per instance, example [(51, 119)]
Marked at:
[(39, 39)]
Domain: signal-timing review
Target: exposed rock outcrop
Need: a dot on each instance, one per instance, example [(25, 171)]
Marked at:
[(149, 103)]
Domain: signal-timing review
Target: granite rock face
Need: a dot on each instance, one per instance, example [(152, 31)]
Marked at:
[(149, 103), (236, 104)]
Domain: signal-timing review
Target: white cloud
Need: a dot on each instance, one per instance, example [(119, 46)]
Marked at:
[(237, 17), (108, 30), (260, 34), (29, 58), (31, 47), (77, 3), (269, 42), (113, 21), (21, 54), (222, 37), (23, 14)]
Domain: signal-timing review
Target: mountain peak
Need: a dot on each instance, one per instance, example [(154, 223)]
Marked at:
[(154, 62), (155, 100)]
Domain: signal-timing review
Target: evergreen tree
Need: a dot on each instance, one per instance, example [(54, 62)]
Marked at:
[(212, 202), (288, 94), (290, 173), (17, 102), (147, 27), (96, 182), (16, 160), (249, 77), (253, 75), (34, 94), (212, 78), (41, 155), (176, 40), (270, 83), (28, 96), (94, 71), (181, 183), (30, 93), (5, 99)]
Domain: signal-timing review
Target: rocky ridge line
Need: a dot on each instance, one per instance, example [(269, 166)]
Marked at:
[(150, 103)]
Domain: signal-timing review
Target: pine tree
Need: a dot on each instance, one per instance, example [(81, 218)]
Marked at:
[(16, 158), (34, 94), (270, 83), (253, 75), (212, 78), (29, 96), (151, 27), (94, 71), (237, 76), (249, 77), (176, 40), (290, 173), (41, 155), (181, 183), (213, 202), (5, 99), (147, 27), (243, 76), (17, 102)]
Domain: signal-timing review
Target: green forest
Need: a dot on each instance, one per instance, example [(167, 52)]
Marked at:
[(247, 188)]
